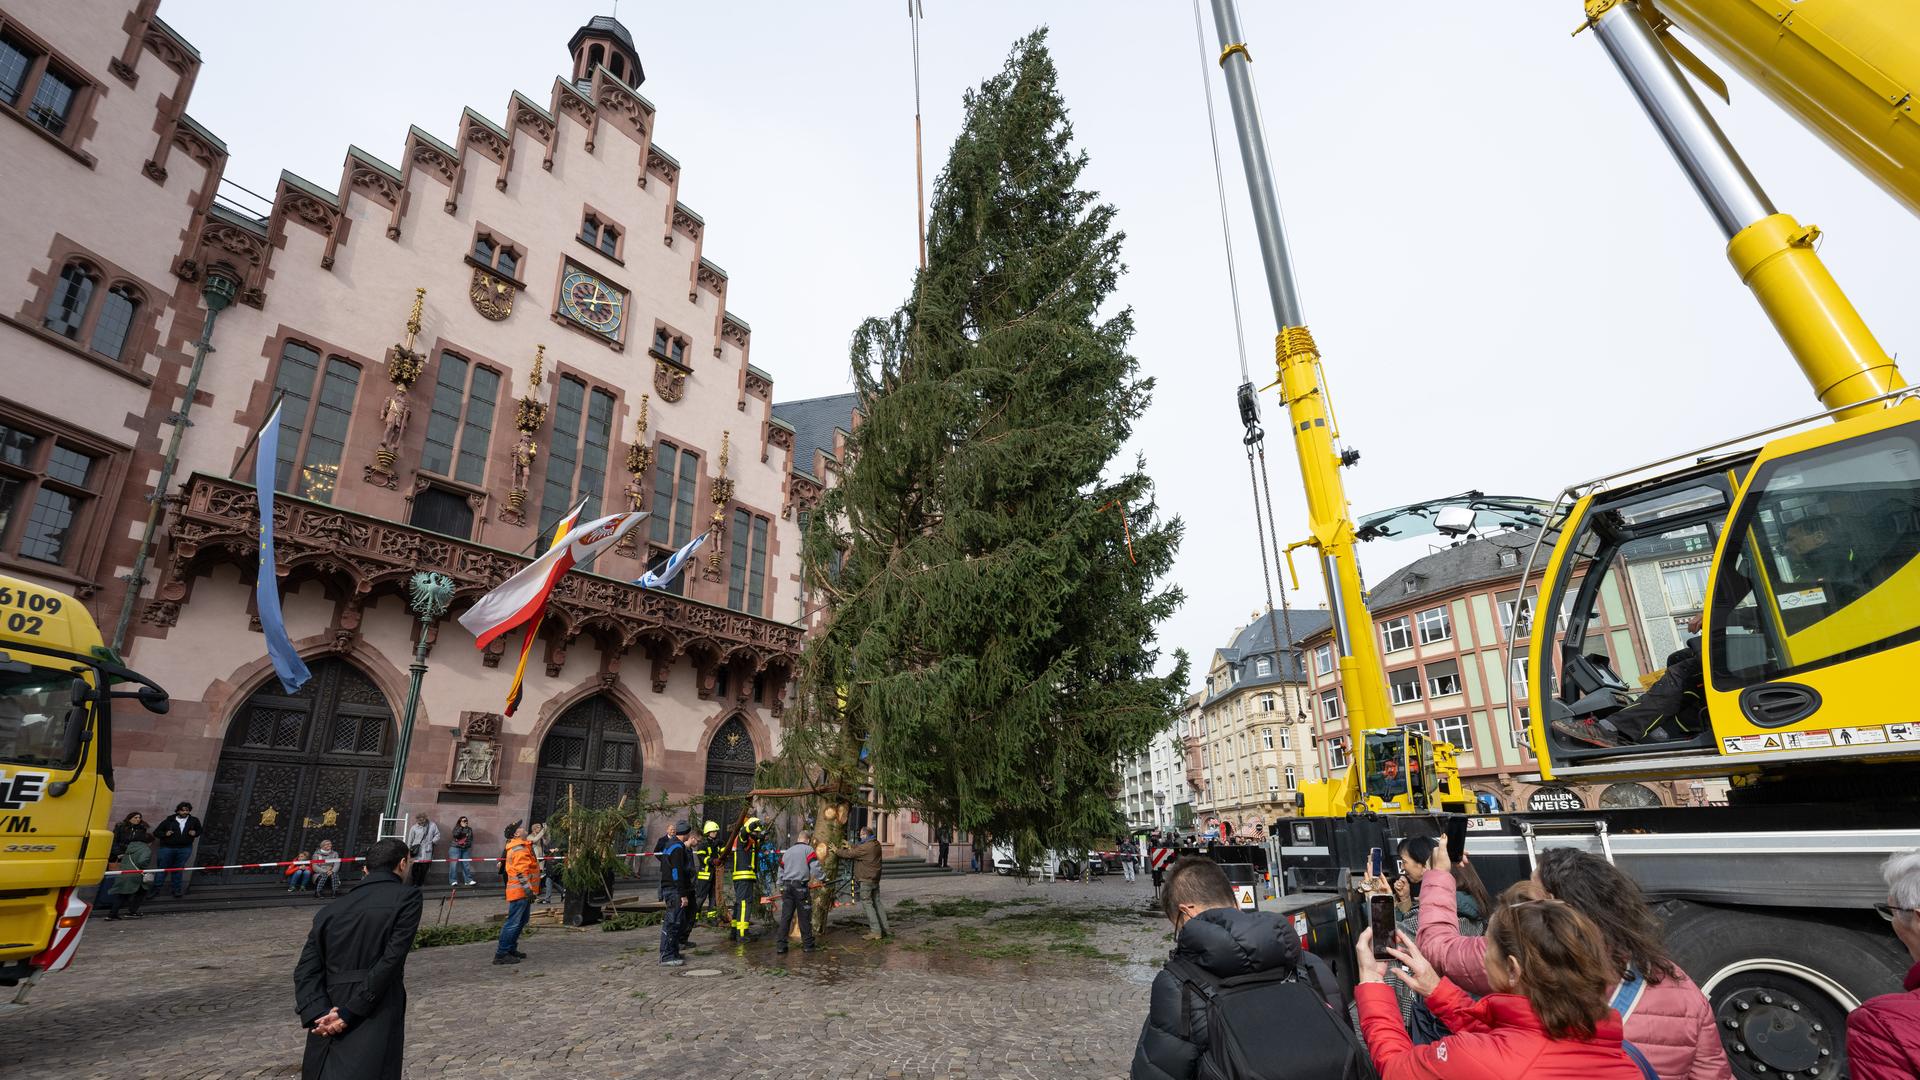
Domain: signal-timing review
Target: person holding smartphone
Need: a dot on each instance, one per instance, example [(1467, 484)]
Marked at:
[(1546, 1017)]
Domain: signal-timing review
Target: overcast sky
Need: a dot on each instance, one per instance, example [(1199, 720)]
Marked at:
[(1511, 282)]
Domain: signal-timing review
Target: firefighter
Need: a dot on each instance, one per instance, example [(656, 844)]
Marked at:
[(742, 860), (706, 860)]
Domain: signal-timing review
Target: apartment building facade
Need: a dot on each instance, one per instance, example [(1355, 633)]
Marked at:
[(1254, 733)]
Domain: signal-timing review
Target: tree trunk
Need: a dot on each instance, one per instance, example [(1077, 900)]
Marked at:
[(828, 835)]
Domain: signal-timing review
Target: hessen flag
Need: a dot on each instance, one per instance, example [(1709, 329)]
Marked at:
[(518, 685), (523, 595), (286, 662), (662, 577)]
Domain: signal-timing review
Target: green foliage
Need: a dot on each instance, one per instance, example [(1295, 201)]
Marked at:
[(630, 920), (593, 838), (990, 633), (428, 937)]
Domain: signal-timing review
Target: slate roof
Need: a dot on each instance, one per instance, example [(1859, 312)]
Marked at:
[(814, 421), (1470, 562), (1256, 640), (604, 24)]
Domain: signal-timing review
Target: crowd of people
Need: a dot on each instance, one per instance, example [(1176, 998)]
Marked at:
[(1565, 975)]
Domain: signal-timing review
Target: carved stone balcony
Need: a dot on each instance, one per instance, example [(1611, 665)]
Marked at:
[(359, 558)]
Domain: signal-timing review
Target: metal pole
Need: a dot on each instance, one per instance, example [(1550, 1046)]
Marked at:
[(216, 294), (429, 596), (1732, 195), (1267, 222)]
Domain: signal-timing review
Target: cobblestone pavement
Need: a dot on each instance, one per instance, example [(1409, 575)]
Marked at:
[(989, 977)]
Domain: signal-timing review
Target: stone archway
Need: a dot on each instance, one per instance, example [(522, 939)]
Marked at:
[(591, 752), (301, 768), (731, 760)]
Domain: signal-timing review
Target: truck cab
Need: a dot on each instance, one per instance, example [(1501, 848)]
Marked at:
[(56, 775)]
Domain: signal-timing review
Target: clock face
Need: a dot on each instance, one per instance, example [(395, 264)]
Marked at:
[(592, 303)]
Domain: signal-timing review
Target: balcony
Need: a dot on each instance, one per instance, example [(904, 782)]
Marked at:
[(361, 558)]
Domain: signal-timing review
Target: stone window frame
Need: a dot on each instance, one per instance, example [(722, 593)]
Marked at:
[(143, 335), (501, 243), (672, 336), (103, 490), (43, 58), (361, 394), (603, 223), (502, 419)]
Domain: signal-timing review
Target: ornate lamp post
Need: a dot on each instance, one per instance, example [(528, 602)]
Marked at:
[(428, 594)]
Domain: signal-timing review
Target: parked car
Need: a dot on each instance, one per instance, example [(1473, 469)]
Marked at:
[(1066, 865)]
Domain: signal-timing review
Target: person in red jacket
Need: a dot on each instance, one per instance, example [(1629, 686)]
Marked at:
[(1546, 1018), (1883, 1035), (1665, 1014)]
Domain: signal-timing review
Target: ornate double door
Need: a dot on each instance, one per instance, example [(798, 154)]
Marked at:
[(730, 766), (591, 755), (299, 769)]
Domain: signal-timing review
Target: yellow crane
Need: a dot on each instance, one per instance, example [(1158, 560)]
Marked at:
[(1798, 684)]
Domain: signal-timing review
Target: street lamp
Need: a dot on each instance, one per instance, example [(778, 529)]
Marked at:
[(428, 594)]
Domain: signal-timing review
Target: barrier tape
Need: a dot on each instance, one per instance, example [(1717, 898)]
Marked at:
[(344, 860)]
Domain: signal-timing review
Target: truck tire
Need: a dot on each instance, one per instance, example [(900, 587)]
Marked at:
[(1781, 987), (1068, 871)]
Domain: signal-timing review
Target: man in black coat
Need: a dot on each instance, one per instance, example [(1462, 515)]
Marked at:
[(348, 988), (1212, 933)]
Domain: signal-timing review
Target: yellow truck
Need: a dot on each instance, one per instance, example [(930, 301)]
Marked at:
[(56, 776)]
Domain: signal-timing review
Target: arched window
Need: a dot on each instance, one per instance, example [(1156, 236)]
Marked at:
[(595, 55), (117, 312), (619, 67), (70, 299)]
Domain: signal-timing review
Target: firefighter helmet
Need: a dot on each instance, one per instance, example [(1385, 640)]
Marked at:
[(709, 829)]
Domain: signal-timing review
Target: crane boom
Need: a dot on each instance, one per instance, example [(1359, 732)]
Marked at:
[(1847, 69), (1773, 254), (1330, 519)]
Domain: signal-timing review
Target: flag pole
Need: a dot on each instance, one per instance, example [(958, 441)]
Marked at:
[(254, 439)]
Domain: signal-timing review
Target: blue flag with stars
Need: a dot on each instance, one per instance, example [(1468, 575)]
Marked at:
[(266, 590)]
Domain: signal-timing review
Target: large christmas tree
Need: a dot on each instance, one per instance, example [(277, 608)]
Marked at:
[(987, 568)]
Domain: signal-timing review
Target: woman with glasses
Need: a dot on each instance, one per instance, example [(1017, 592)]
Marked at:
[(1883, 1036)]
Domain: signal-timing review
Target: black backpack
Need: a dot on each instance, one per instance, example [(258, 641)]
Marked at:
[(1269, 1025)]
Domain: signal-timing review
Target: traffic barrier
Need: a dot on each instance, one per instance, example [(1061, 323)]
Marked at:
[(344, 860)]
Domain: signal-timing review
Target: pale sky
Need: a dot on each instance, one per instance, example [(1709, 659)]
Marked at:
[(1513, 286)]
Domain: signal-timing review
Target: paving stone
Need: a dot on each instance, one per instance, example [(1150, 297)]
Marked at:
[(209, 994)]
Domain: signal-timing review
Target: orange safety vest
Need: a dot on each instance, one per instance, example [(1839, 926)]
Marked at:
[(523, 870)]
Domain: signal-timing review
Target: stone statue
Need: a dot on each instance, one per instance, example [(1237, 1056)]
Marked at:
[(475, 763), (394, 419), (523, 461)]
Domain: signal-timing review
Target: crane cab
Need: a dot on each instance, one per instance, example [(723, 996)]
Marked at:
[(1761, 608)]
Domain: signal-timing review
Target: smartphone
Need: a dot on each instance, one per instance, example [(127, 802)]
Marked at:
[(1456, 839), (1380, 919), (1376, 862)]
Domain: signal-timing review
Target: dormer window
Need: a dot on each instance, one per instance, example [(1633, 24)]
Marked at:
[(601, 235)]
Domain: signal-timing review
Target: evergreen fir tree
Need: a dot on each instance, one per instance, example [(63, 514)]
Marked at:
[(989, 650)]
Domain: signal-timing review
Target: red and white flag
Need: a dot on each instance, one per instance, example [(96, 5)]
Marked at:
[(524, 595)]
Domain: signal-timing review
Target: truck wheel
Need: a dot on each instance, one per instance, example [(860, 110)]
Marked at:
[(1069, 870), (1780, 988)]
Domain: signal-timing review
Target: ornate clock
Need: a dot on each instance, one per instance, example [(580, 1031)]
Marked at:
[(592, 303)]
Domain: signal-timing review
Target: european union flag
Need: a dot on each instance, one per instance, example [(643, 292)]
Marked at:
[(286, 662)]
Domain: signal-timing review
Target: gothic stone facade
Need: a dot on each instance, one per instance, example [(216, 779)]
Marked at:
[(465, 344)]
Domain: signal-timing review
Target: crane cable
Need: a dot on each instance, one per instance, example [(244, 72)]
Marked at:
[(1265, 532)]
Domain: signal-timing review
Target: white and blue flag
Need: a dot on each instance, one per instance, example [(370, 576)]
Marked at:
[(286, 661), (662, 576)]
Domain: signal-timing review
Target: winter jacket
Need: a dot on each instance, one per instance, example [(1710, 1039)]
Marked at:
[(462, 840), (1672, 1023), (523, 870), (1883, 1036), (1495, 1038), (138, 856), (865, 858), (1226, 942)]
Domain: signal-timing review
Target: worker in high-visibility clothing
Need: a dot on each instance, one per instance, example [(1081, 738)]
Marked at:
[(744, 872), (706, 860)]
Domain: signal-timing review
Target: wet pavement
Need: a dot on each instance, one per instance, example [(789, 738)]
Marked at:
[(987, 977)]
